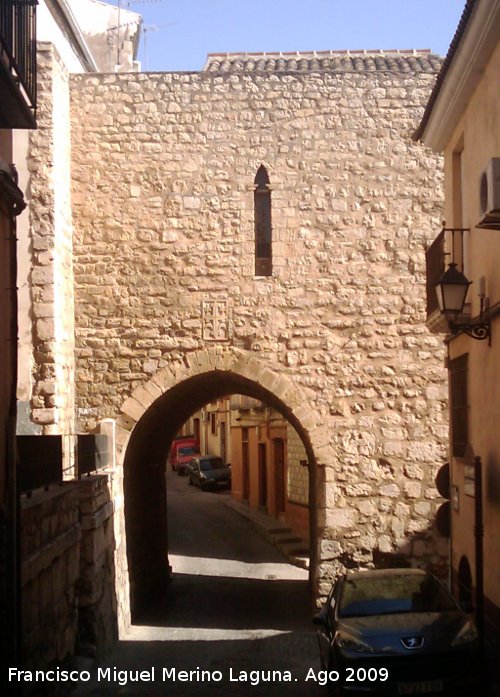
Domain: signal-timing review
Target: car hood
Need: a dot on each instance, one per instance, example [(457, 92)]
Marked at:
[(220, 473), (385, 632)]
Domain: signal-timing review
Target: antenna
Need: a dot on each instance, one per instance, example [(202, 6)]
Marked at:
[(126, 4), (147, 28)]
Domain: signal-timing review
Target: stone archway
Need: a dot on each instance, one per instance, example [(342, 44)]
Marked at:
[(155, 412)]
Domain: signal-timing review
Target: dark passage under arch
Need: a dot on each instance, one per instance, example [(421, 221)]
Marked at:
[(144, 476)]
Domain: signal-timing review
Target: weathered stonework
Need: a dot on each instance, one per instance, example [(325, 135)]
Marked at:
[(298, 473), (50, 537), (68, 572), (163, 172), (97, 606), (51, 247)]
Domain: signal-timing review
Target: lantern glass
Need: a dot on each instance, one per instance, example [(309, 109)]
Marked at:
[(452, 290)]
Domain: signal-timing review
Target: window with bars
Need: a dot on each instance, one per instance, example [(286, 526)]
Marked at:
[(262, 221)]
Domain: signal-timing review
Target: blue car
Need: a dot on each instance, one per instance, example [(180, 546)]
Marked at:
[(398, 632), (209, 472)]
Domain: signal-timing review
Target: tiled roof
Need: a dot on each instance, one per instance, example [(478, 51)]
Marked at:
[(409, 61)]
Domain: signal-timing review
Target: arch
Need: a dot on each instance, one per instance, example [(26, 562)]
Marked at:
[(154, 413)]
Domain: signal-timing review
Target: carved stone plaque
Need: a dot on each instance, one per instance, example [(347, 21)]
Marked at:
[(215, 316)]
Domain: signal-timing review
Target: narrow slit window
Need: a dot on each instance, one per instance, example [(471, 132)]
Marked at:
[(263, 228)]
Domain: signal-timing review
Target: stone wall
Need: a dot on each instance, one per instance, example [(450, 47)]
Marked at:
[(97, 605), (68, 573), (50, 283), (163, 177), (298, 475), (50, 554)]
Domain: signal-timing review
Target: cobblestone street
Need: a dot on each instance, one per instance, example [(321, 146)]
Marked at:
[(234, 605)]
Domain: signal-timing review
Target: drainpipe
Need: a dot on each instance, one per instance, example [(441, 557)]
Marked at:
[(478, 539)]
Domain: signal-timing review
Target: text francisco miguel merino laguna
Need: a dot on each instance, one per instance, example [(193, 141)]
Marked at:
[(197, 675)]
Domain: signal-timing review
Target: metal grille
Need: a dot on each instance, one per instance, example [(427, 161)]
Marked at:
[(18, 44), (40, 462), (434, 269)]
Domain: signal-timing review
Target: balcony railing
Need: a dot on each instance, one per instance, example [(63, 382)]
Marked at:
[(434, 269), (92, 453), (18, 47), (40, 459), (40, 462)]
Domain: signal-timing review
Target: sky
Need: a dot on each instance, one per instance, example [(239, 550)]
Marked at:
[(178, 34)]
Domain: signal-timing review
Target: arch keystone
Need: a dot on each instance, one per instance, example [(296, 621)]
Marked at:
[(282, 387), (164, 378), (303, 413), (153, 389), (131, 407), (143, 396), (321, 435)]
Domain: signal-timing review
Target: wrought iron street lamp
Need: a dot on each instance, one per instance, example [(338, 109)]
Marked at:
[(452, 290)]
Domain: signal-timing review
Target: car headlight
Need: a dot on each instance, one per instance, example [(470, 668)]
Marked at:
[(348, 642), (466, 635)]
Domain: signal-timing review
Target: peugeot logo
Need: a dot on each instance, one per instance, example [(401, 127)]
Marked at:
[(413, 642)]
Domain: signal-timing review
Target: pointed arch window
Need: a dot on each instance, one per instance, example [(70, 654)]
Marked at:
[(263, 228)]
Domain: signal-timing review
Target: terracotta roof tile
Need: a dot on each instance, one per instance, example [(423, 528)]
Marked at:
[(325, 61)]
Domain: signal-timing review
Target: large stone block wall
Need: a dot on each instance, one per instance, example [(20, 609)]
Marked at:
[(68, 572), (50, 554), (50, 282), (163, 175), (97, 604)]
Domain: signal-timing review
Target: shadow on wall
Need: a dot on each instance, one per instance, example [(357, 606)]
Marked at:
[(68, 573), (392, 530)]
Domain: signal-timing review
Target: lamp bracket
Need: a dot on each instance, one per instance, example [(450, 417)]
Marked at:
[(477, 330)]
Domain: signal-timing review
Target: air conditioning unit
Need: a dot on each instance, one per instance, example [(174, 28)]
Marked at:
[(489, 195)]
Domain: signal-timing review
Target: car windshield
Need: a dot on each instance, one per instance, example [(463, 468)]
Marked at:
[(392, 594), (187, 450), (214, 463)]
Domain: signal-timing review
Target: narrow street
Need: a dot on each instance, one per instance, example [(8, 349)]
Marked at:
[(235, 609)]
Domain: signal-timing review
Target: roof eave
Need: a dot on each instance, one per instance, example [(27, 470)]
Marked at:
[(462, 75), (81, 43)]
